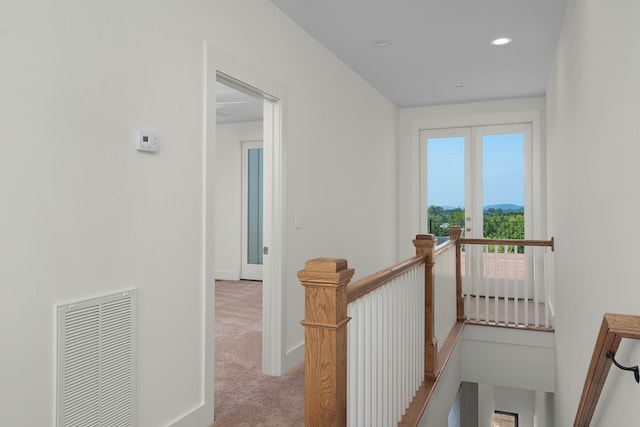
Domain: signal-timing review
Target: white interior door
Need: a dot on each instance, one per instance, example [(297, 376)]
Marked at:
[(252, 210)]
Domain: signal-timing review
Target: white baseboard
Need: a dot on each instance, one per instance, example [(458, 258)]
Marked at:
[(293, 357), (227, 275), (198, 417)]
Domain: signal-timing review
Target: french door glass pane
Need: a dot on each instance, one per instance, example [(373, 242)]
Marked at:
[(503, 186), (254, 206), (445, 180)]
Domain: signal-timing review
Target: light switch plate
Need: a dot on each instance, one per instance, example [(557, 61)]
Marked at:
[(147, 141), (297, 220)]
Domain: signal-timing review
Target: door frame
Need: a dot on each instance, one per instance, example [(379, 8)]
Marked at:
[(539, 221), (474, 202), (219, 63), (473, 176)]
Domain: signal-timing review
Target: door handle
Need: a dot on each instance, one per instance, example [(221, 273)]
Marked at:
[(265, 250)]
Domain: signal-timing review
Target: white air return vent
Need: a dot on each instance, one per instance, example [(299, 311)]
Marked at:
[(96, 362)]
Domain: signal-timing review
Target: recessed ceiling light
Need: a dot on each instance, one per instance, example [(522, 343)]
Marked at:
[(380, 43), (501, 41), (458, 85)]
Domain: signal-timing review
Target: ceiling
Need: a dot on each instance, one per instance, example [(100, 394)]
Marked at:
[(438, 51), (234, 106)]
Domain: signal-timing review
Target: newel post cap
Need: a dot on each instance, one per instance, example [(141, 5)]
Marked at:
[(329, 271), (455, 232), (424, 243)]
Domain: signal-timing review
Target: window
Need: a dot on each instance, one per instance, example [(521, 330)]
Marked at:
[(505, 419), (445, 158), (478, 178)]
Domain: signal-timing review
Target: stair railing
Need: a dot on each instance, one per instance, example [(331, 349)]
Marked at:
[(370, 345), (613, 328), (503, 282), (372, 355)]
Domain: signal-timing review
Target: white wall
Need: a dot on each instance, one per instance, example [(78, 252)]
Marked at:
[(544, 410), (506, 399), (411, 120), (494, 369), (469, 410), (593, 152), (519, 401), (508, 357), (228, 194), (446, 389), (486, 404), (83, 214)]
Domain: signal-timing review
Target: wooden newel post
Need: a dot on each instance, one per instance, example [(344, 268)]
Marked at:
[(325, 335), (424, 244), (455, 233)]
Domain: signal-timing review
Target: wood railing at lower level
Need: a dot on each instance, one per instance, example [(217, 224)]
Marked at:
[(392, 323), (614, 327)]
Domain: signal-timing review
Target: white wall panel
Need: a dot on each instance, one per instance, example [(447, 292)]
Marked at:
[(592, 105), (437, 411), (506, 357), (83, 214)]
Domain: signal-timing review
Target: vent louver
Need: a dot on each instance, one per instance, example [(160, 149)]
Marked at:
[(96, 362)]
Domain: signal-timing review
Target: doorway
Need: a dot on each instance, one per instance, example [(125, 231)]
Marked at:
[(220, 65), (476, 171), (479, 178), (272, 243), (239, 222)]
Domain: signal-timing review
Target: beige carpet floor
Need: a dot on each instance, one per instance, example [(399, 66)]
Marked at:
[(243, 396)]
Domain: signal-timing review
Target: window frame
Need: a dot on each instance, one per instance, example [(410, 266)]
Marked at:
[(472, 115), (512, 414), (473, 137)]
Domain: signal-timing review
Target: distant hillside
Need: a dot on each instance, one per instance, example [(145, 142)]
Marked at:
[(505, 207)]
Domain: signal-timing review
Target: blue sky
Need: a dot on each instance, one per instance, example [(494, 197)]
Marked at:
[(503, 170)]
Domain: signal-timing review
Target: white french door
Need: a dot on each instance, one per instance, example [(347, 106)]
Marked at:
[(478, 178), (501, 168), (252, 210), (446, 197)]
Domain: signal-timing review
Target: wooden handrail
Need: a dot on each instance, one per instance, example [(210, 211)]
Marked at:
[(614, 327), (509, 242), (361, 287), (443, 247)]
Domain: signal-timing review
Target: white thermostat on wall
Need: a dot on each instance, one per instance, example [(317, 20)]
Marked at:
[(147, 141)]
